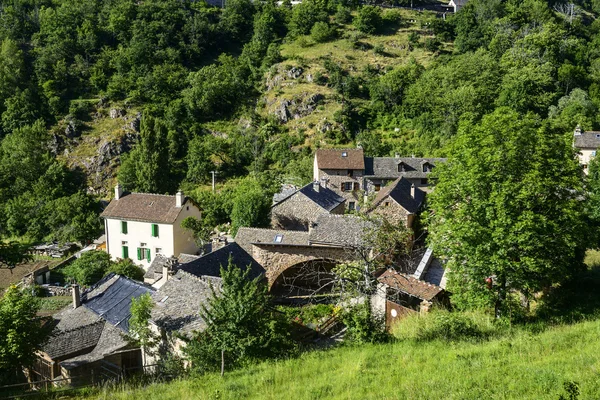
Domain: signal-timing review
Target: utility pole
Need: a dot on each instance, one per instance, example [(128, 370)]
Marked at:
[(213, 173)]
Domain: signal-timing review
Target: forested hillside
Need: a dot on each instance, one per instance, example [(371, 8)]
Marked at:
[(165, 91)]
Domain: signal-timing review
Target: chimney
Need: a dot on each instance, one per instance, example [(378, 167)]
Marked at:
[(118, 192), (76, 296), (316, 186), (578, 131), (397, 155), (412, 190), (179, 198), (324, 182)]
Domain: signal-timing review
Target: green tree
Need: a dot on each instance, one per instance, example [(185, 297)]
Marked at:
[(21, 333), (126, 268), (89, 268), (241, 326), (321, 32), (305, 15), (507, 206), (251, 205), (139, 323), (368, 19), (12, 254)]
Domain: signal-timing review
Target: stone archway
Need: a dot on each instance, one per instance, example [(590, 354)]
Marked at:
[(304, 279)]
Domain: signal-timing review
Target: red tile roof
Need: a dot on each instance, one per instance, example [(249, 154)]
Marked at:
[(340, 159), (144, 207), (410, 285)]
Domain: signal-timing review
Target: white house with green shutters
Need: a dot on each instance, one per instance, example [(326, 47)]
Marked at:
[(141, 225)]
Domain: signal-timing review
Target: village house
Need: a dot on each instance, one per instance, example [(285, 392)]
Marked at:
[(399, 201), (88, 342), (457, 4), (301, 207), (587, 144), (141, 226)]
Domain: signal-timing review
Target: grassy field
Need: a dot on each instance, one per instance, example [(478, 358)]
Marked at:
[(520, 366)]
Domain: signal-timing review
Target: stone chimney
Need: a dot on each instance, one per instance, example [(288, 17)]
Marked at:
[(76, 296), (396, 155), (578, 130), (179, 198), (324, 182), (412, 190), (316, 186), (118, 192)]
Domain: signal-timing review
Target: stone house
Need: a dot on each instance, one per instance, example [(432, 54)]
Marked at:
[(380, 171), (399, 201), (140, 226), (341, 170), (587, 144), (457, 4), (88, 342), (399, 295), (298, 210)]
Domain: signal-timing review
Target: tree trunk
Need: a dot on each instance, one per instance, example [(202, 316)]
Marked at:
[(501, 298), (222, 362)]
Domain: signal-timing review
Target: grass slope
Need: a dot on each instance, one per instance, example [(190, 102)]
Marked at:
[(524, 366)]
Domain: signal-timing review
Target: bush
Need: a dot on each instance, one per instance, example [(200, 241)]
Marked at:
[(89, 268), (127, 268), (364, 327), (321, 32), (379, 49), (368, 19), (432, 44), (342, 15)]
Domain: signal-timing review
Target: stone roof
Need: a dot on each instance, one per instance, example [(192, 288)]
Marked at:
[(111, 299), (410, 285), (400, 190), (387, 167), (286, 191), (324, 197), (62, 344), (211, 263), (246, 236), (340, 159), (155, 269), (587, 140), (340, 230), (144, 207), (178, 303)]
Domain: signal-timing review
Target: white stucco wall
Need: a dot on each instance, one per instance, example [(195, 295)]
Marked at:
[(585, 156), (184, 240)]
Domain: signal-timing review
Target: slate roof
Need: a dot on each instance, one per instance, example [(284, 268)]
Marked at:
[(246, 236), (110, 341), (410, 285), (210, 264), (64, 343), (387, 167), (155, 269), (339, 230), (111, 299), (324, 197), (286, 191), (144, 207), (178, 303), (400, 190), (335, 159), (587, 140)]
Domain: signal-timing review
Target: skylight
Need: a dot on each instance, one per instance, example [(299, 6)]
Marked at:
[(344, 154), (278, 239)]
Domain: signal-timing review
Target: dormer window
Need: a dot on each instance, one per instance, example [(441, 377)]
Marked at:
[(344, 154), (401, 167), (427, 167)]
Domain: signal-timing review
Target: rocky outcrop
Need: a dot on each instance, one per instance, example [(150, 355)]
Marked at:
[(297, 107)]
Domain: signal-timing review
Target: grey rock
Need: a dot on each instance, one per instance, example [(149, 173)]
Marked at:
[(116, 113), (295, 72)]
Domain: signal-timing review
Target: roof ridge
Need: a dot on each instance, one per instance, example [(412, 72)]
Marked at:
[(150, 194), (77, 328)]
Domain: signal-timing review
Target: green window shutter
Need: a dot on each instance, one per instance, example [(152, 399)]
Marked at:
[(124, 227), (125, 252), (154, 230), (148, 254), (139, 251)]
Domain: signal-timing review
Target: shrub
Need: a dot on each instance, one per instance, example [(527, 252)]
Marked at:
[(379, 49), (432, 44), (303, 42), (368, 19), (342, 15), (362, 326), (89, 268), (127, 268), (321, 32)]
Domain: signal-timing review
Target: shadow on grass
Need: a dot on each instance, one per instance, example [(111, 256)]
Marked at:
[(575, 300)]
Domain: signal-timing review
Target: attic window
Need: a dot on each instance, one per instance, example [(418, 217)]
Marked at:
[(401, 167), (427, 167), (344, 154), (278, 239)]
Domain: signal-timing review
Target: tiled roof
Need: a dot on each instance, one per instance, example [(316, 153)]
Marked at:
[(65, 343), (410, 285), (178, 303), (246, 236), (400, 190), (144, 207), (111, 299), (155, 269), (340, 159), (340, 230), (286, 191), (587, 140), (210, 264), (324, 197), (387, 167)]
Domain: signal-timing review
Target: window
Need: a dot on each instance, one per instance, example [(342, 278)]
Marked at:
[(158, 250), (347, 186), (386, 204), (278, 239), (187, 208), (427, 167), (124, 227), (344, 154), (350, 173), (143, 253), (351, 206), (356, 186), (594, 153), (401, 167), (124, 242), (148, 256), (377, 187), (597, 136), (154, 230), (424, 181), (124, 252)]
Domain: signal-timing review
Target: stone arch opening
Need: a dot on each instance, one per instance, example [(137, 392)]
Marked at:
[(304, 279)]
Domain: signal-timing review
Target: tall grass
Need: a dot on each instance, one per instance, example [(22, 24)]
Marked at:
[(522, 365)]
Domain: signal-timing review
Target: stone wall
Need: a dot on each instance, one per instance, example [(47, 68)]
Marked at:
[(336, 179), (295, 213), (393, 212), (278, 258)]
